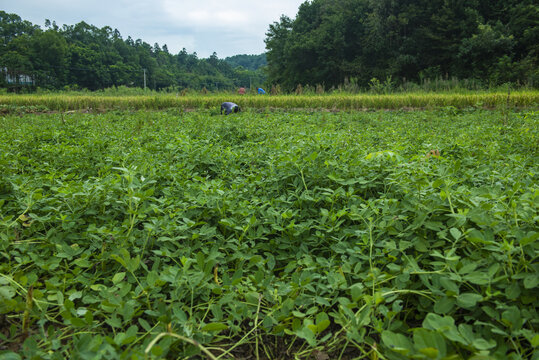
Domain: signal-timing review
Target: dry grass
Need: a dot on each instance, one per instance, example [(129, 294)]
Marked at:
[(62, 102)]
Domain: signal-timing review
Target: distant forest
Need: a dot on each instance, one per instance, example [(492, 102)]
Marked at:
[(330, 43), (361, 42), (249, 62), (83, 56)]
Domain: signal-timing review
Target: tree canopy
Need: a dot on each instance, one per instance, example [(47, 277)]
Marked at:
[(249, 62), (330, 41), (93, 58)]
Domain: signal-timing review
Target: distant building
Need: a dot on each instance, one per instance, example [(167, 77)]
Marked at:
[(15, 78)]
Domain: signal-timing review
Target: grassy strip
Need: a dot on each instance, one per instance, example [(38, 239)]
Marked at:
[(340, 102)]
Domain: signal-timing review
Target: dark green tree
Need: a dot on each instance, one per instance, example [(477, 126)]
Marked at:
[(277, 41), (48, 51), (331, 41), (85, 56)]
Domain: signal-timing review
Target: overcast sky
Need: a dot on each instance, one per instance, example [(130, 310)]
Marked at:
[(228, 27)]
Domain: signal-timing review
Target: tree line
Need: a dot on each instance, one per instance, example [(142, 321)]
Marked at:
[(249, 62), (87, 57), (331, 42)]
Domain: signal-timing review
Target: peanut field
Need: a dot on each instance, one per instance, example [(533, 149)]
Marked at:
[(269, 234)]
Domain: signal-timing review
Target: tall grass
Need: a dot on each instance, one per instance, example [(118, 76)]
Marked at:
[(62, 102)]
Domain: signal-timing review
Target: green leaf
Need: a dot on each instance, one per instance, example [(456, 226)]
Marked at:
[(134, 264), (478, 278), (513, 291), (89, 318), (437, 322), (322, 325), (444, 305), (512, 318), (476, 236), (468, 300), (114, 321), (455, 233), (76, 322), (307, 334), (449, 285), (467, 332), (364, 318), (83, 263), (200, 257), (429, 343), (252, 220), (530, 238), (397, 342), (98, 287), (9, 356), (322, 322), (312, 156), (313, 328), (214, 327), (531, 281), (491, 312), (252, 298), (535, 341), (482, 344), (7, 292), (356, 291), (119, 259), (145, 325), (430, 352), (322, 301), (444, 325), (118, 277)]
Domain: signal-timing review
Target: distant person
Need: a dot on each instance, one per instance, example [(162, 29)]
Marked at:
[(229, 107), (261, 91), (241, 91)]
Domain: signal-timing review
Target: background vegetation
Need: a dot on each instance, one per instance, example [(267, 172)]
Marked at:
[(343, 44), (355, 41), (84, 56), (249, 62)]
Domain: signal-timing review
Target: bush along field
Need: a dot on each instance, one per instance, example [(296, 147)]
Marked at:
[(307, 235)]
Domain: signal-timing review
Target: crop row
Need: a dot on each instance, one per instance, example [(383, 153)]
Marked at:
[(341, 102)]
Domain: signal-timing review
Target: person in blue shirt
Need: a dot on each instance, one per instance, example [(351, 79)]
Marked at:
[(229, 107), (261, 91)]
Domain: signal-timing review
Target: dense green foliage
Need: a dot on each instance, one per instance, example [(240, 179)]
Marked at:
[(84, 56), (249, 62), (316, 235), (330, 41)]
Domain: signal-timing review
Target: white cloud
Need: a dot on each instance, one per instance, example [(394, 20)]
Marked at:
[(230, 14), (228, 26), (227, 18)]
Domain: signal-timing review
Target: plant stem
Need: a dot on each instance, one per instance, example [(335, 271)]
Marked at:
[(182, 338)]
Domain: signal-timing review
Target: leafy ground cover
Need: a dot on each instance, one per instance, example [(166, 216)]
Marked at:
[(381, 235), (160, 101)]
